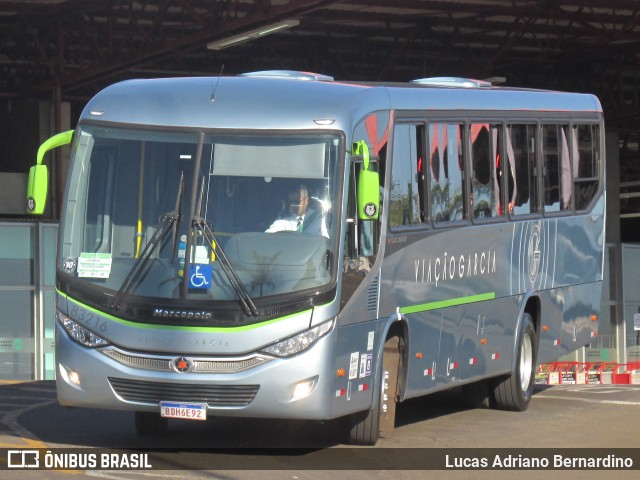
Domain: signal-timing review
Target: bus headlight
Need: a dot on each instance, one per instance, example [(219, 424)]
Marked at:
[(79, 333), (298, 343)]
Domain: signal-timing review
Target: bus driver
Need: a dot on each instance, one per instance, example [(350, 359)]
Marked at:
[(305, 215)]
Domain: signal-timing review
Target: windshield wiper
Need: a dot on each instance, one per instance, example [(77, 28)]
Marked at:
[(244, 297), (168, 220), (202, 226)]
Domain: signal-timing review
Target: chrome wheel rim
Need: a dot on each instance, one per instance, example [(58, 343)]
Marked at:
[(526, 362)]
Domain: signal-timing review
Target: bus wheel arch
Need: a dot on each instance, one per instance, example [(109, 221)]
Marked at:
[(379, 421), (533, 308), (400, 330)]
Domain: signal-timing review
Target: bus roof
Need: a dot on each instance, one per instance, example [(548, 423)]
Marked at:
[(272, 102)]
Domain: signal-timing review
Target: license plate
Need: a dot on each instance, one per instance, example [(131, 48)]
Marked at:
[(185, 411)]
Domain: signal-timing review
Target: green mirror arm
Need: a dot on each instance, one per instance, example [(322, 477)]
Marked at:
[(360, 148), (56, 141), (38, 181)]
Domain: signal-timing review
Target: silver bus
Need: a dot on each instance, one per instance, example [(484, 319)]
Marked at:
[(282, 245)]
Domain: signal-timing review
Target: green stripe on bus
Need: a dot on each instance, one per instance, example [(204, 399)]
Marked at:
[(180, 328), (452, 302)]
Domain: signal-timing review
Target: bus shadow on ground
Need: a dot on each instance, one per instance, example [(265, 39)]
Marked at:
[(57, 425), (429, 407), (440, 404)]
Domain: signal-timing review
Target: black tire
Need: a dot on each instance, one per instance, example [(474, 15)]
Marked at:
[(150, 424), (364, 427), (367, 427), (515, 391)]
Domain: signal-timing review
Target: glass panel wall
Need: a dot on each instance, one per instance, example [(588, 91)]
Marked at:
[(17, 340), (631, 300), (27, 300), (47, 289)]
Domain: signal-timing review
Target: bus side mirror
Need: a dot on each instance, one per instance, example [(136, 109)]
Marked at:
[(39, 176), (37, 189), (368, 184)]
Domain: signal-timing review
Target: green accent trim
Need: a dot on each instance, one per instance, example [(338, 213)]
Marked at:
[(178, 328), (452, 302), (37, 186), (58, 140)]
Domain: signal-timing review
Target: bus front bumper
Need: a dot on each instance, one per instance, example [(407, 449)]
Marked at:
[(296, 388)]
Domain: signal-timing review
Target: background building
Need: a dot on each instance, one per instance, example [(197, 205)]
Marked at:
[(56, 54)]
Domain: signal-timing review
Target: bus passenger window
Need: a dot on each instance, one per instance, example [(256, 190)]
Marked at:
[(586, 161), (556, 168), (446, 164), (521, 158), (406, 195), (485, 161)]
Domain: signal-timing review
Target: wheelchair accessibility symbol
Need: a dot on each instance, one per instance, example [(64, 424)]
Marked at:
[(200, 276)]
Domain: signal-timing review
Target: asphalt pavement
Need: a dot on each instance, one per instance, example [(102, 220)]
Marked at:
[(600, 418)]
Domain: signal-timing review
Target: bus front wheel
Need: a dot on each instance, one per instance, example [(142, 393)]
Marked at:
[(514, 392), (368, 427)]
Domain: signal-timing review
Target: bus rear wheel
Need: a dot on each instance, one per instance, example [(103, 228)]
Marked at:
[(150, 424), (515, 391), (368, 427)]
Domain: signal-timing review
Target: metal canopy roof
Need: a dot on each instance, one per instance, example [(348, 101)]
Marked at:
[(80, 46)]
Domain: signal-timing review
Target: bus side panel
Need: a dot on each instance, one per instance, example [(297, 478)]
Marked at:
[(565, 320), (448, 370), (460, 344), (423, 348), (356, 367), (551, 325), (486, 338), (555, 259), (586, 326)]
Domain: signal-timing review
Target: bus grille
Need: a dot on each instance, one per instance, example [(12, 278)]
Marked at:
[(200, 364), (212, 395)]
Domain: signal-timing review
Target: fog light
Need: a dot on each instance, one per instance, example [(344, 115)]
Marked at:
[(303, 389), (74, 378), (70, 376)]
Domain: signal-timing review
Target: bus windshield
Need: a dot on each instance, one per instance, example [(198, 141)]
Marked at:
[(180, 215)]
